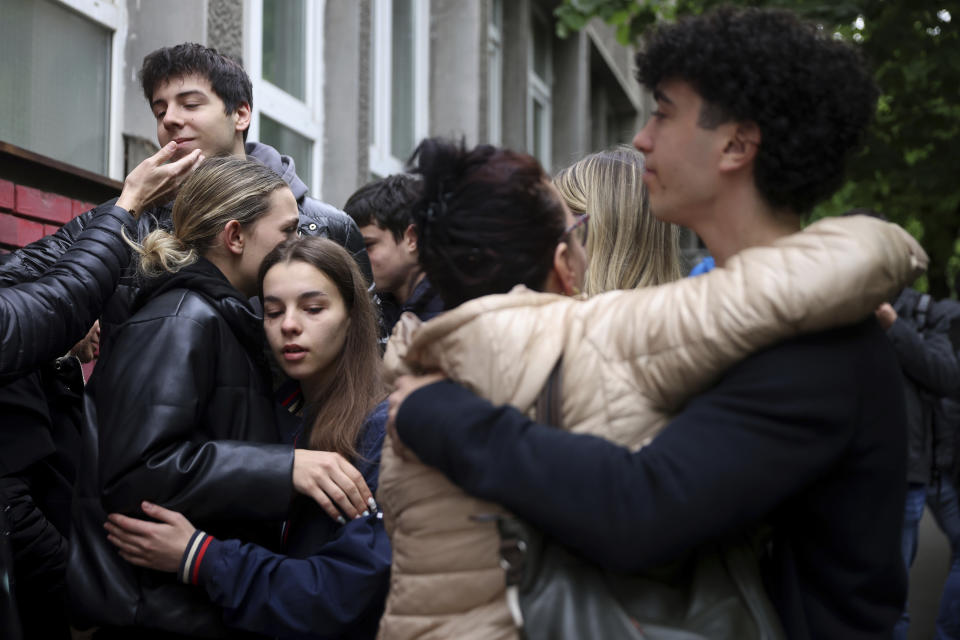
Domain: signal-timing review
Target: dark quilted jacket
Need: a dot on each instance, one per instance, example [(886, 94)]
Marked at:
[(41, 320)]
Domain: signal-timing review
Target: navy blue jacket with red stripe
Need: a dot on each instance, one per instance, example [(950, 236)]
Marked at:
[(330, 581)]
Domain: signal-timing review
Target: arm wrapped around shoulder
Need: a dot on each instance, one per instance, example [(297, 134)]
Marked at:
[(839, 269), (834, 273)]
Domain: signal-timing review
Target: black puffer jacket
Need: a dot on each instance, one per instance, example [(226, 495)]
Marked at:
[(179, 412), (316, 219), (41, 320), (926, 343)]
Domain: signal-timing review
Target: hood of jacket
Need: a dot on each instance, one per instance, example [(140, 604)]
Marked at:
[(281, 164), (205, 279)]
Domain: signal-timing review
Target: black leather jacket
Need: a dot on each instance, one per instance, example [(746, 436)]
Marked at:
[(316, 219), (180, 412), (41, 320)]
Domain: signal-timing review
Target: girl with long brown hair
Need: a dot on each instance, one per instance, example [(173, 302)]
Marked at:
[(330, 579)]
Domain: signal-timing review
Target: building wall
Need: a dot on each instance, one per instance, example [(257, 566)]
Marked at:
[(151, 25), (594, 99)]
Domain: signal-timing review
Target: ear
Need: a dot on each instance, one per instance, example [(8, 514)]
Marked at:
[(563, 270), (243, 117), (233, 238), (410, 238), (742, 146)]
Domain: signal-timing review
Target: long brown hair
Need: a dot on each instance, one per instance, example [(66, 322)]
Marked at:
[(356, 385)]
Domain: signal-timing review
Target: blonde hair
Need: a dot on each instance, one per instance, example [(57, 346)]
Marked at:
[(626, 246), (220, 190)]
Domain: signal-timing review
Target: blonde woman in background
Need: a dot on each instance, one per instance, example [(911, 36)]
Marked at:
[(627, 247)]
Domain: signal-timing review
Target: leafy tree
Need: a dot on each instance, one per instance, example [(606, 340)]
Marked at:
[(909, 169)]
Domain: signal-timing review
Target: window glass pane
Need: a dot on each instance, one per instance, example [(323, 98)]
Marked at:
[(291, 143), (496, 14), (541, 48), (538, 138), (284, 45), (55, 82), (402, 80)]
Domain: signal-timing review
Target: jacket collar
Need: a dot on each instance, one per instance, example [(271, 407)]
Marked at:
[(205, 279)]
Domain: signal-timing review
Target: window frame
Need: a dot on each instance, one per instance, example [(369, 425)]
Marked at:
[(113, 16), (539, 90), (382, 160), (304, 117), (495, 73)]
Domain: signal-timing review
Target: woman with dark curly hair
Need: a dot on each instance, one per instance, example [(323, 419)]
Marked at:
[(756, 113)]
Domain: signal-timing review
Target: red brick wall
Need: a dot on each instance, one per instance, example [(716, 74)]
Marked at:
[(28, 214)]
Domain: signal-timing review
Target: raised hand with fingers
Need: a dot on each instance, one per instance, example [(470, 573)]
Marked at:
[(333, 483), (156, 179), (154, 545)]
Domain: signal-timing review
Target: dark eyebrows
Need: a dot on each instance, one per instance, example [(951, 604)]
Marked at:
[(660, 96), (306, 295), (181, 96)]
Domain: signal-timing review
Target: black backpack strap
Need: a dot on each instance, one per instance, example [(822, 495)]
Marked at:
[(920, 312), (549, 406)]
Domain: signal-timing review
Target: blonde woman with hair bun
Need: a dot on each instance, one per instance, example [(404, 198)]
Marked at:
[(181, 412), (627, 247)]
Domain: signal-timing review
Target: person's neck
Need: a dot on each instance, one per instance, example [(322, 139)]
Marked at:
[(229, 271), (315, 387), (403, 293), (741, 220)]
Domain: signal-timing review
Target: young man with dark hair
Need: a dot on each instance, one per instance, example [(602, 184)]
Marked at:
[(756, 114), (383, 211), (202, 101)]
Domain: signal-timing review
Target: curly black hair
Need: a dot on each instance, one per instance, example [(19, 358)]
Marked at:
[(811, 95), (227, 77), (487, 221), (387, 202)]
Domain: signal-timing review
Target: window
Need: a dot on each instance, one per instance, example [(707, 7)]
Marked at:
[(495, 72), (284, 52), (58, 81), (539, 98), (399, 83)]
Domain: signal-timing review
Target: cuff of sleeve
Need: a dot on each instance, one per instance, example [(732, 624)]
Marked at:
[(197, 548), (898, 331), (421, 417)]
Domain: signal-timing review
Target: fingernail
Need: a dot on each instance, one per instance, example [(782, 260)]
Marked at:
[(372, 503), (171, 144), (366, 513), (341, 520)]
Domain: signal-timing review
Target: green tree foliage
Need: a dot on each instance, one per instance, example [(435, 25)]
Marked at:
[(909, 168)]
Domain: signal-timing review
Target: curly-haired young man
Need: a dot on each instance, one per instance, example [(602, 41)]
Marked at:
[(756, 114)]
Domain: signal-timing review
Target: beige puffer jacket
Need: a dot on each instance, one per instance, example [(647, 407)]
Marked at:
[(630, 359)]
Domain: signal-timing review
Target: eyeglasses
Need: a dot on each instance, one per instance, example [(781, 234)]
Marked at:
[(578, 229)]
